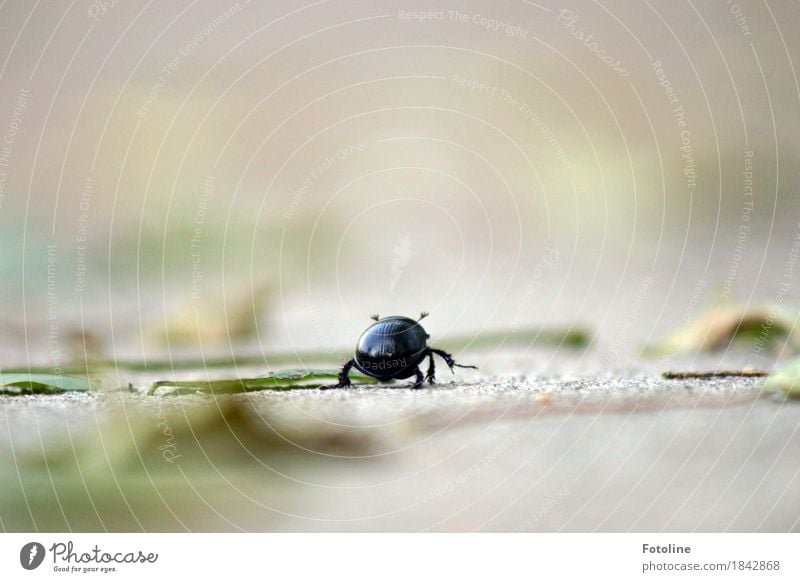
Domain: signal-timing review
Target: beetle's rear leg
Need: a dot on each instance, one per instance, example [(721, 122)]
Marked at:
[(344, 377), (418, 379), (431, 375), (448, 358)]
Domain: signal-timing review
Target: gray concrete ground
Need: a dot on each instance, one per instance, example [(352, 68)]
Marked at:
[(511, 448)]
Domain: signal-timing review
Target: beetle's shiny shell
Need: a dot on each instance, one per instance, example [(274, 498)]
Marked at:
[(391, 348)]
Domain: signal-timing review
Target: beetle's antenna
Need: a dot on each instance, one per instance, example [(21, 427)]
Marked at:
[(375, 316), (423, 315)]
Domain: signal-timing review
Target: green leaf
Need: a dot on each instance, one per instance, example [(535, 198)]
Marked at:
[(785, 381), (303, 374), (302, 379), (19, 383), (769, 327)]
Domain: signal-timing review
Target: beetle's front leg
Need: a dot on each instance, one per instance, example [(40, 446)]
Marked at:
[(448, 358), (418, 379), (431, 375), (344, 377)]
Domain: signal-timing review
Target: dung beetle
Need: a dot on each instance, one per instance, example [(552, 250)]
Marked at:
[(393, 347)]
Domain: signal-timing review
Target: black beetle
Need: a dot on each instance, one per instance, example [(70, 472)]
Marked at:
[(393, 347)]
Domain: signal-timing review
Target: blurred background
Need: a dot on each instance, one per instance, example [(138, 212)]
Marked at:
[(264, 175), (189, 180)]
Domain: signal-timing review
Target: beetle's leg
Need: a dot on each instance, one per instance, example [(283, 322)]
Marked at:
[(431, 375), (419, 379), (448, 358), (344, 377)]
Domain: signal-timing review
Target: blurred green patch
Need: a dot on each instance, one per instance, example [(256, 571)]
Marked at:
[(785, 381), (16, 384), (769, 328), (571, 337), (188, 464), (215, 318), (279, 380)]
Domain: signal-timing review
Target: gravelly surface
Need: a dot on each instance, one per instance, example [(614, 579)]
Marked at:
[(589, 449)]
